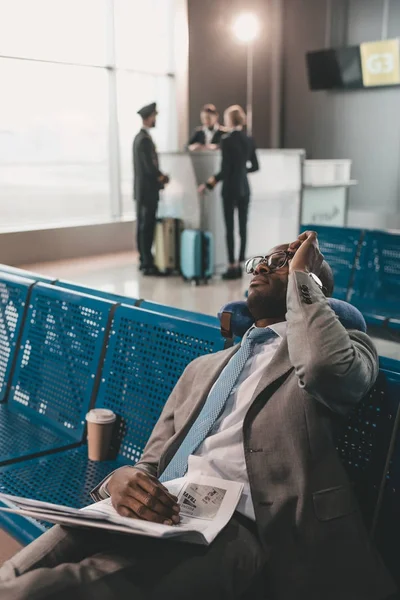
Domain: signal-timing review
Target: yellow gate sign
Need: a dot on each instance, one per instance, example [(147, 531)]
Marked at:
[(381, 63)]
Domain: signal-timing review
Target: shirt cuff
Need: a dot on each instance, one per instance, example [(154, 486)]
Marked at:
[(103, 489)]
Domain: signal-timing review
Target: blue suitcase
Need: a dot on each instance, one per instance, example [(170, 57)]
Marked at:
[(197, 255)]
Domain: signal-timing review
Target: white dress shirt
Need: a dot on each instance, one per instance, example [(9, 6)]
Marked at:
[(209, 134), (222, 452)]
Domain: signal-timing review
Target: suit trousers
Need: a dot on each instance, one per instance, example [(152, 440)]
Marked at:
[(242, 205), (69, 563), (146, 223)]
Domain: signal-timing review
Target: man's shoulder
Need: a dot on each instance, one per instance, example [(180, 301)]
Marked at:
[(143, 139)]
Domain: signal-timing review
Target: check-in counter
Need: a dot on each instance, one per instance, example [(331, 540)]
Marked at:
[(275, 207)]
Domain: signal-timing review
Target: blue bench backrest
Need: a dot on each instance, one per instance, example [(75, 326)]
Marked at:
[(81, 289), (60, 353), (180, 313), (146, 355), (340, 247), (387, 534), (377, 278), (14, 292), (365, 442)]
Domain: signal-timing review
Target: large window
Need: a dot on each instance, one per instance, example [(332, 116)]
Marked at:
[(60, 130)]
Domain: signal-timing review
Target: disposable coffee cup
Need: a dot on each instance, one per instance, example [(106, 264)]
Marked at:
[(100, 425)]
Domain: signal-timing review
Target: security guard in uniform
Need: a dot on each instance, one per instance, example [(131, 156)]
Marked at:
[(148, 181)]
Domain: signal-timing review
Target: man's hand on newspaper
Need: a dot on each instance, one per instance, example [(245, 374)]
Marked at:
[(137, 494)]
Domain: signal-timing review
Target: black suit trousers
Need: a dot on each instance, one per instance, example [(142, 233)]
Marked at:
[(242, 205), (146, 223), (97, 565)]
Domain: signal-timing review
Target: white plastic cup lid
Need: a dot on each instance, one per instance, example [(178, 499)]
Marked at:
[(101, 416)]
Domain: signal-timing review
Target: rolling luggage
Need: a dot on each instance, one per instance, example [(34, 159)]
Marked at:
[(197, 253), (167, 244)]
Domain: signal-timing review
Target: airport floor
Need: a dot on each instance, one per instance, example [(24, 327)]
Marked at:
[(118, 273)]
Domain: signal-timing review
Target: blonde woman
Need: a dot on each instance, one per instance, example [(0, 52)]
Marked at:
[(238, 150)]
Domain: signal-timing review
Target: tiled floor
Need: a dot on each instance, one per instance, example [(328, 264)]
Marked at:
[(118, 273)]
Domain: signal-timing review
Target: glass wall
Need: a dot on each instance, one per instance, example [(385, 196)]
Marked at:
[(61, 64)]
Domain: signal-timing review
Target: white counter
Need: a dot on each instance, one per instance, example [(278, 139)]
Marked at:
[(275, 208)]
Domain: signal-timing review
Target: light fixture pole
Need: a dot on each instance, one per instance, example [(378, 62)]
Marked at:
[(249, 89), (246, 28)]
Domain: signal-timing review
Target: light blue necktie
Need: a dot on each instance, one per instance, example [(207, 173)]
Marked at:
[(214, 404)]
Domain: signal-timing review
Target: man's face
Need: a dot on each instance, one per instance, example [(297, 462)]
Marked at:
[(208, 119), (150, 121), (267, 290)]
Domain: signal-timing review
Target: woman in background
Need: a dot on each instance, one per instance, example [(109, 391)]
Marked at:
[(238, 149)]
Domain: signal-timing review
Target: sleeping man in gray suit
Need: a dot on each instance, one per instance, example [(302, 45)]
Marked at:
[(270, 406)]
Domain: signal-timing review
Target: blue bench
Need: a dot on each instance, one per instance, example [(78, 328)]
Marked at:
[(376, 289), (53, 383), (387, 522), (366, 266), (365, 443), (146, 354), (136, 367)]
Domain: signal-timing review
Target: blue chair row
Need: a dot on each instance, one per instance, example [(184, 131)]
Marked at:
[(52, 344), (366, 266), (76, 351), (140, 355), (376, 287)]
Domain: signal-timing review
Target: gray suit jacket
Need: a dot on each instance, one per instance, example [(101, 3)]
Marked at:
[(306, 514)]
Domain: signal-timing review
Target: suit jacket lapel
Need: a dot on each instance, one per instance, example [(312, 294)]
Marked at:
[(210, 376)]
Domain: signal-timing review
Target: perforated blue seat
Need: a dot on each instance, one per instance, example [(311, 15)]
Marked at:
[(376, 289), (14, 292), (340, 247), (365, 442), (387, 532), (53, 382), (146, 355)]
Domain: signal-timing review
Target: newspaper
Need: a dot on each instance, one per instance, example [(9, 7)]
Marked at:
[(206, 506)]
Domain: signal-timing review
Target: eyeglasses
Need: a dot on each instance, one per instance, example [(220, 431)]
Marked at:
[(274, 261)]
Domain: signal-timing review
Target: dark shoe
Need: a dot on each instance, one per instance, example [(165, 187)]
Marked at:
[(153, 272), (231, 273)]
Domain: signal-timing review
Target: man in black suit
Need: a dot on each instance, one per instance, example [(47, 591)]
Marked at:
[(148, 181), (208, 135)]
